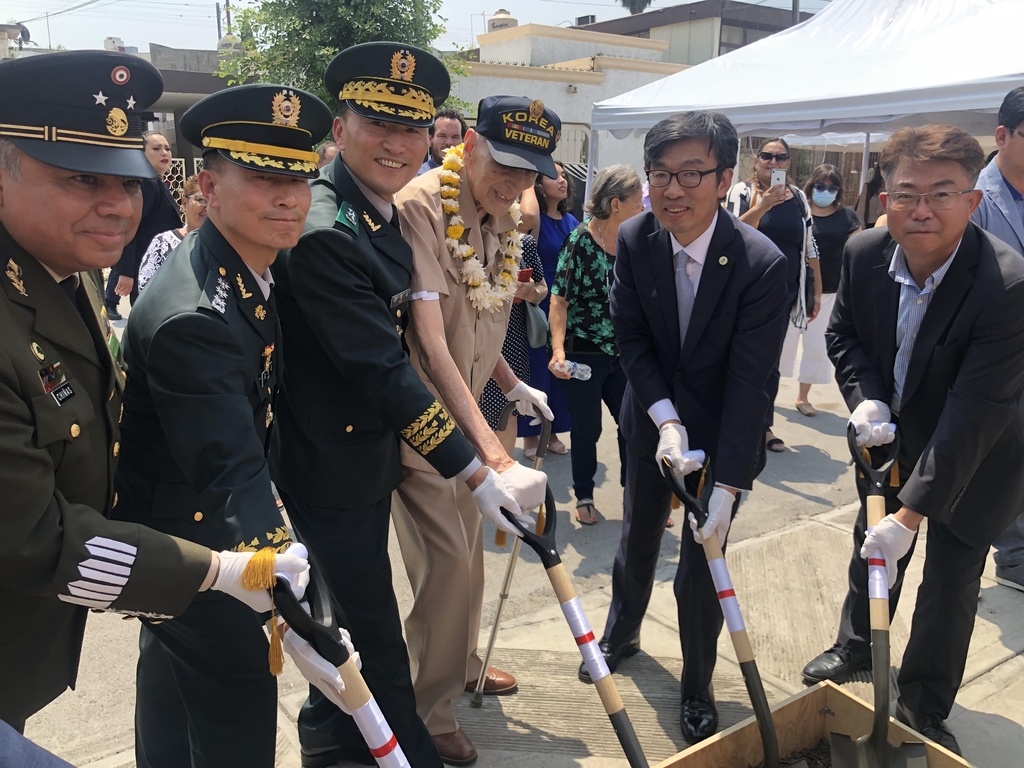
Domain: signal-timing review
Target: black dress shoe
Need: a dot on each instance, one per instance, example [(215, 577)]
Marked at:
[(932, 727), (113, 315), (837, 664), (612, 656), (331, 757), (699, 718)]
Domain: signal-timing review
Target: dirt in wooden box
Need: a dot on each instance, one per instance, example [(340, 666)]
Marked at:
[(818, 756)]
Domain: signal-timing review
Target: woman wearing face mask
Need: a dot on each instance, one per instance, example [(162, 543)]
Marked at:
[(193, 205), (553, 197), (833, 223), (782, 214)]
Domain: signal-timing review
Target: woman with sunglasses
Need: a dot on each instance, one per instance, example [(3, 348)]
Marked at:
[(193, 206), (782, 214), (832, 225)]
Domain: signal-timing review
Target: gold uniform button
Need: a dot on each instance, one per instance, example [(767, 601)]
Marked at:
[(198, 517), (398, 313), (476, 359), (222, 271), (348, 428), (75, 430), (117, 448)]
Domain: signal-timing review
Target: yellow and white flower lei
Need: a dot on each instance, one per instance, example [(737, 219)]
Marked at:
[(482, 293)]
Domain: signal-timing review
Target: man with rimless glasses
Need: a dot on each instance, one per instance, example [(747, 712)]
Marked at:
[(699, 305), (927, 334)]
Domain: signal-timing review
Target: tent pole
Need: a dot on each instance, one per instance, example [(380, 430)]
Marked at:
[(864, 164), (591, 163)]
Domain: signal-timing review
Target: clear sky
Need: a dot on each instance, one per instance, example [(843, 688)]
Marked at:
[(193, 23)]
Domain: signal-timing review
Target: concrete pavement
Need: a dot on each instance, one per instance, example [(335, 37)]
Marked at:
[(788, 553)]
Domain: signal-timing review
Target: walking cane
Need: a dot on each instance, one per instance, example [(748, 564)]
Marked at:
[(321, 631), (544, 545), (731, 611), (477, 699)]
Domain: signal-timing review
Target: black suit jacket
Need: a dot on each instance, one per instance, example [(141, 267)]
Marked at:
[(350, 390), (202, 349), (159, 214), (716, 377), (959, 420)]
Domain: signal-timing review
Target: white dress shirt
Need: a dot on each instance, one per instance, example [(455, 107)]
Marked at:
[(697, 251), (264, 281)]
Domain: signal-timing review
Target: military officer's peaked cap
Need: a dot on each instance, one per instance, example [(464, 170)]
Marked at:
[(389, 81), (520, 133), (80, 110), (269, 128)]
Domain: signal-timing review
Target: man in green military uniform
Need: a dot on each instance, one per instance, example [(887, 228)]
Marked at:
[(71, 161), (350, 391), (202, 349)]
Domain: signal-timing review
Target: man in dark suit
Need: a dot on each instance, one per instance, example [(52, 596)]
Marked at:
[(202, 348), (349, 389), (927, 335), (69, 200), (699, 306)]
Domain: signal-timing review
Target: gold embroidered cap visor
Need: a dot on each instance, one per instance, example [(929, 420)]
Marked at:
[(80, 110), (394, 82), (266, 128)]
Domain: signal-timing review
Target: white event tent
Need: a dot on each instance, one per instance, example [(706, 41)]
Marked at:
[(857, 66)]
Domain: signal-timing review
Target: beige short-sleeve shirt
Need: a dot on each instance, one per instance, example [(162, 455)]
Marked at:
[(474, 336)]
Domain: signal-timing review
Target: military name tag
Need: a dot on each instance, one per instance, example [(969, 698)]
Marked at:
[(400, 298), (55, 383)]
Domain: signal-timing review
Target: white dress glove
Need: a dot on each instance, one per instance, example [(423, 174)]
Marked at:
[(894, 540), (719, 516), (530, 401), (292, 566), (315, 668), (492, 494), (674, 445), (873, 423)]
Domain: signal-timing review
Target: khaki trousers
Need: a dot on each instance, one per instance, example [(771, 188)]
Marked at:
[(439, 530)]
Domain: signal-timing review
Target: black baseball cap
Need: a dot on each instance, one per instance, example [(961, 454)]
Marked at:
[(270, 128), (389, 81), (520, 132), (80, 110)]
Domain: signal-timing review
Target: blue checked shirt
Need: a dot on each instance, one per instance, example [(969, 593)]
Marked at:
[(914, 303)]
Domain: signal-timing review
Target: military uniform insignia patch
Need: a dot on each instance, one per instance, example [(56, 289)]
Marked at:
[(286, 106), (268, 366), (270, 416), (241, 286), (219, 301), (260, 312), (117, 122), (429, 429), (37, 351), (369, 222), (347, 216), (55, 383), (14, 275), (403, 66)]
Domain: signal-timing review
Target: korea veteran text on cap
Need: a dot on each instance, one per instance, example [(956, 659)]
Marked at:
[(270, 128), (520, 133), (389, 81), (80, 110)]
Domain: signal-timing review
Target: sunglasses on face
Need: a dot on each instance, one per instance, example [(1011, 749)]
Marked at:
[(826, 188), (780, 157)]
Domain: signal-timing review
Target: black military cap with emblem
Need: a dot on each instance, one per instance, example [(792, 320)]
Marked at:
[(271, 128), (520, 133), (389, 81), (80, 110)]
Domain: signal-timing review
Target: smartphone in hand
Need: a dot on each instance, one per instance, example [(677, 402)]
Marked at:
[(525, 276), (778, 177)]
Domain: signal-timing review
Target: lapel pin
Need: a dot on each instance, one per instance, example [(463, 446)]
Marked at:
[(37, 351), (723, 260), (260, 312)]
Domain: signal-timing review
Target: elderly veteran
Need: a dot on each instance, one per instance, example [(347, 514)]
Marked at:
[(71, 164), (202, 349), (461, 222)]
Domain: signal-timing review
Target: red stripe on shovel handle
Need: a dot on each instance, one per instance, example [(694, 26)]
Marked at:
[(387, 749), (879, 561), (726, 593), (584, 639)]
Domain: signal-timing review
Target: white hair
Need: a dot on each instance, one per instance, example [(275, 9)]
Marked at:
[(10, 159)]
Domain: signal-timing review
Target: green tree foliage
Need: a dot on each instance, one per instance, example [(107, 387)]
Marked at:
[(292, 41), (636, 6)]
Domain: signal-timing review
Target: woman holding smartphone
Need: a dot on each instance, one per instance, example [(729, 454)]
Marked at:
[(780, 211)]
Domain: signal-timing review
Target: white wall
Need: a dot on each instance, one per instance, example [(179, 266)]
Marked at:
[(538, 51), (690, 42)]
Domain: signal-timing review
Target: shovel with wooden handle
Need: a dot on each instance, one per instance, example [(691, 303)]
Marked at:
[(321, 631), (874, 749), (544, 545), (698, 507), (477, 699)]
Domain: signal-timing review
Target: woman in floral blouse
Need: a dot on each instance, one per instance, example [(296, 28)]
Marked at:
[(581, 325)]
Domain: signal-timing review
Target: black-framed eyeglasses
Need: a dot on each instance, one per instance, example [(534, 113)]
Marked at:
[(941, 200), (826, 188), (686, 179), (779, 157)]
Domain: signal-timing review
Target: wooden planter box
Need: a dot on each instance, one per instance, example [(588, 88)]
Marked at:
[(802, 721)]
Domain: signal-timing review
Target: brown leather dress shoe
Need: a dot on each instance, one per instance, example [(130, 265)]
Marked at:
[(455, 748), (496, 683)]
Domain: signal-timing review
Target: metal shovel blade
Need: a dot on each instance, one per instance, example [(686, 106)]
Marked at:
[(847, 753)]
